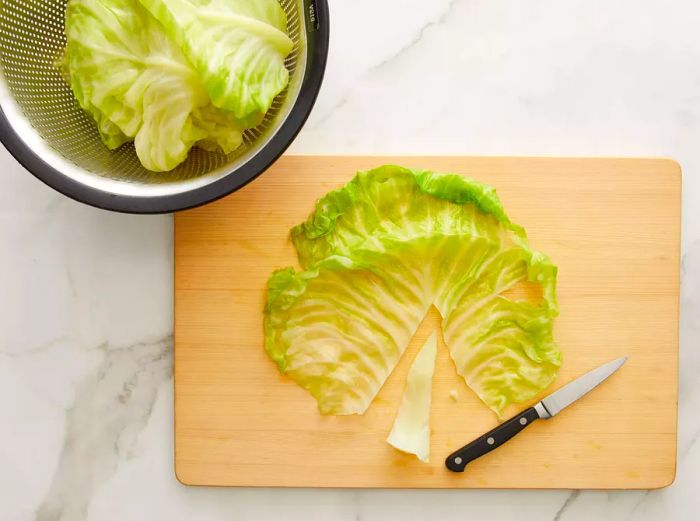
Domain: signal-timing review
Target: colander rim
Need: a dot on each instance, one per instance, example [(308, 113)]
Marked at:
[(233, 180)]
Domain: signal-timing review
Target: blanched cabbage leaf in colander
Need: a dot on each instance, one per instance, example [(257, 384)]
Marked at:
[(210, 70), (375, 255), (137, 84), (237, 47)]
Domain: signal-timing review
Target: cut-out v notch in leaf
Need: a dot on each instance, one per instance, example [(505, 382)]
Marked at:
[(375, 255)]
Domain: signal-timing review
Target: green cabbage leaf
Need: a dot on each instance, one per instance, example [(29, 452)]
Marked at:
[(237, 48), (196, 79), (375, 255)]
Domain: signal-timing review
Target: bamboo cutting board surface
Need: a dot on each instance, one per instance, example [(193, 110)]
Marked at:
[(611, 225)]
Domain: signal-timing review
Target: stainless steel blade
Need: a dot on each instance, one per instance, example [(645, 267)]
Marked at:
[(561, 398)]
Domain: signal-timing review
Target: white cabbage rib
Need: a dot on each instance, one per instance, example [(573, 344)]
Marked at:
[(411, 430)]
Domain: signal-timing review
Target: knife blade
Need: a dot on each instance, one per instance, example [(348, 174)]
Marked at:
[(546, 408)]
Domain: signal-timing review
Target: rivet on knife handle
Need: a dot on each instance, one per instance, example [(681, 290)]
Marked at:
[(491, 440)]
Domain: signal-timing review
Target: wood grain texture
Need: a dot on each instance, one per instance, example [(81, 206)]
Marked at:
[(611, 225)]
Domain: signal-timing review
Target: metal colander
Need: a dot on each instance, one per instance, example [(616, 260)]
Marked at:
[(43, 126)]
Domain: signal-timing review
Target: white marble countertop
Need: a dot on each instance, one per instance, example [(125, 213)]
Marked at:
[(86, 295)]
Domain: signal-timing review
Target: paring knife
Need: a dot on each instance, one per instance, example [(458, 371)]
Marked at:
[(545, 409)]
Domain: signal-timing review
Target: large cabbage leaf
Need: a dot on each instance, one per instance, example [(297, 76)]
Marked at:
[(340, 329), (411, 430), (110, 133), (137, 84), (375, 255), (237, 47)]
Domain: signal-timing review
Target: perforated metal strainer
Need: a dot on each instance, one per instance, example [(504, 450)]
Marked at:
[(43, 127)]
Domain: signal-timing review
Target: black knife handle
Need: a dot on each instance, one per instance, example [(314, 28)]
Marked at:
[(491, 440)]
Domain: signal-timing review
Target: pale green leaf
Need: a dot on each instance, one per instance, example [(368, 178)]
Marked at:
[(393, 241)]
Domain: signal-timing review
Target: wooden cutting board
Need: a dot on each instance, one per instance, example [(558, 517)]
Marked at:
[(612, 226)]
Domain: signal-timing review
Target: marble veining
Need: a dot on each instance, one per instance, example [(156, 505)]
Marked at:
[(86, 295), (111, 407)]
